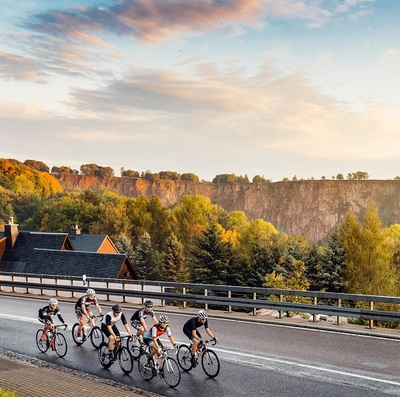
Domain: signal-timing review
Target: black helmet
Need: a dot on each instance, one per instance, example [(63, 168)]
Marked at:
[(148, 304), (116, 309)]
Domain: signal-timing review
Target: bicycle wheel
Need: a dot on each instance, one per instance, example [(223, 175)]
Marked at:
[(210, 363), (145, 365), (96, 337), (125, 360), (170, 372), (41, 343), (104, 355), (134, 347), (60, 345), (184, 358), (77, 339)]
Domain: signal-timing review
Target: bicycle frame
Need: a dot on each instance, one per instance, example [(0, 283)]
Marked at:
[(57, 340)]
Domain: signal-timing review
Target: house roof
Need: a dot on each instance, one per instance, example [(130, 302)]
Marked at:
[(87, 242), (74, 263), (65, 255), (27, 241)]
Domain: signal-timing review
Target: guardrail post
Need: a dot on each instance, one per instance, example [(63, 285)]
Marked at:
[(314, 301), (12, 288), (254, 308), (124, 296), (27, 289), (56, 282), (371, 321), (108, 287), (280, 311), (163, 300), (206, 294), (184, 293), (338, 318), (229, 306), (142, 289)]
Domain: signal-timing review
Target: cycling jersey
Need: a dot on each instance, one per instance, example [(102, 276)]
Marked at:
[(110, 319), (194, 323), (46, 312), (156, 331), (85, 300)]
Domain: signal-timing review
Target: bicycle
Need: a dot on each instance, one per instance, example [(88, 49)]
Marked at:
[(209, 359), (135, 347), (164, 366), (120, 353), (54, 339), (93, 332)]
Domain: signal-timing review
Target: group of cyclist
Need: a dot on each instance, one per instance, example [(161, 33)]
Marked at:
[(148, 336)]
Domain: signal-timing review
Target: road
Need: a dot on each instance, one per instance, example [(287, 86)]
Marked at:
[(256, 359)]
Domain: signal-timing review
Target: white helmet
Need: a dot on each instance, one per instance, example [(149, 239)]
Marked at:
[(202, 314), (90, 291), (163, 319), (53, 302)]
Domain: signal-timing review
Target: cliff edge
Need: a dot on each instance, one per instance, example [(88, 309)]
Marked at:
[(310, 208)]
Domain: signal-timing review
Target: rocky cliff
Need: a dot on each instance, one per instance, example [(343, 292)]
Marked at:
[(309, 208)]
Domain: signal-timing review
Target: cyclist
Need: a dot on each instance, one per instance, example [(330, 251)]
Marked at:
[(190, 329), (110, 329), (82, 309), (45, 314), (138, 318), (151, 336)]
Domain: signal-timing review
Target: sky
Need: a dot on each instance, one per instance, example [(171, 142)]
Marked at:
[(276, 88)]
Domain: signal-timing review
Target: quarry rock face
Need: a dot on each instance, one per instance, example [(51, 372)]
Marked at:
[(310, 208)]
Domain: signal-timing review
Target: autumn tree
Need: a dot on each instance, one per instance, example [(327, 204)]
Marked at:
[(368, 255)]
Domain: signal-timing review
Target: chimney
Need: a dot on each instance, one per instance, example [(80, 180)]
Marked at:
[(11, 232), (74, 231)]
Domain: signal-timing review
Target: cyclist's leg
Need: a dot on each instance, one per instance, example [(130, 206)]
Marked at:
[(90, 314), (81, 320)]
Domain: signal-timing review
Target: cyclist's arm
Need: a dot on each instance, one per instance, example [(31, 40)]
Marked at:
[(98, 308), (143, 323)]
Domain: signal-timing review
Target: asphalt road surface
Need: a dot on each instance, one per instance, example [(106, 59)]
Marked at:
[(256, 359)]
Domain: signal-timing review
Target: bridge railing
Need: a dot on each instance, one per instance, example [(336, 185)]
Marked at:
[(224, 297)]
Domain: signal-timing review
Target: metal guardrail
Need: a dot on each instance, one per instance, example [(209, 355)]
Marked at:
[(313, 302)]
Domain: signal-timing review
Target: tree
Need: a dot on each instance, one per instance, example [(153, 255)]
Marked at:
[(175, 267), (129, 173), (368, 255), (144, 260), (259, 179), (192, 215), (37, 165), (190, 177), (124, 246), (212, 259)]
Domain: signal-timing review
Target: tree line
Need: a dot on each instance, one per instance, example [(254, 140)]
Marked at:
[(96, 170)]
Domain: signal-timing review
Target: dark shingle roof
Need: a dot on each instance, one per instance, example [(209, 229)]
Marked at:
[(27, 241), (87, 242), (73, 263)]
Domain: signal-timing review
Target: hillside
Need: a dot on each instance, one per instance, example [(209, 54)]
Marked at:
[(310, 208)]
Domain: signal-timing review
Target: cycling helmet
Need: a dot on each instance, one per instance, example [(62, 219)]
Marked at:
[(90, 291), (53, 302), (116, 309), (163, 319), (148, 304), (202, 314)]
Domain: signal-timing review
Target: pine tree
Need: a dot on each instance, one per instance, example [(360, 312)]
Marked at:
[(144, 259), (174, 262), (213, 260)]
